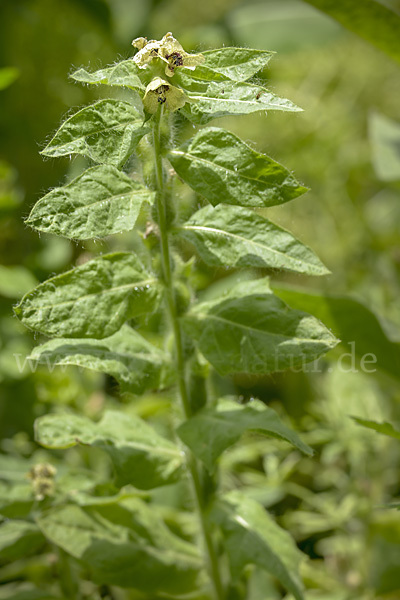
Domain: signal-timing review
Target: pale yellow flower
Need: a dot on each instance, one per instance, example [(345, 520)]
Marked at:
[(159, 92), (168, 50)]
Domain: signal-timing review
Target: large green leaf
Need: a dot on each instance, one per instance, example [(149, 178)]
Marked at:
[(100, 202), (124, 544), (250, 330), (367, 342), (384, 428), (231, 236), (123, 74), (370, 19), (221, 167), (93, 300), (139, 455), (253, 537), (106, 132), (135, 363), (238, 64), (210, 100), (212, 430), (19, 539)]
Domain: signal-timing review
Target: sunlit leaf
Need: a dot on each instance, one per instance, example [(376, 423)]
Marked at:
[(221, 167), (123, 74), (213, 429), (106, 132), (92, 300), (238, 64), (139, 455), (100, 202), (230, 236), (253, 537), (251, 330)]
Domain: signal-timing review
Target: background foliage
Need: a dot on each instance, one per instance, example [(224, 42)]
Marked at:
[(345, 147)]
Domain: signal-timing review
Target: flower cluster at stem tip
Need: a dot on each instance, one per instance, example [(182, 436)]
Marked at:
[(171, 54)]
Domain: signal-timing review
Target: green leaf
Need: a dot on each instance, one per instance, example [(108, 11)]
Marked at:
[(7, 76), (24, 591), (221, 167), (135, 363), (124, 544), (106, 132), (384, 428), (253, 331), (253, 537), (385, 144), (238, 64), (211, 100), (359, 329), (139, 455), (93, 300), (100, 202), (371, 20), (123, 74), (212, 430), (15, 280), (19, 539), (230, 236)]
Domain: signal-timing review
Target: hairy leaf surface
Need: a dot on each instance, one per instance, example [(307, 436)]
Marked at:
[(218, 165), (106, 132), (93, 300), (253, 537), (100, 202), (238, 64), (124, 544), (231, 236), (123, 74), (135, 363), (139, 455), (211, 100), (253, 331), (213, 429)]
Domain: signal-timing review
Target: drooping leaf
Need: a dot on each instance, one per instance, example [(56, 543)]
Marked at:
[(139, 455), (384, 428), (135, 363), (231, 236), (92, 300), (359, 329), (251, 330), (221, 167), (210, 100), (252, 537), (123, 74), (100, 202), (238, 64), (106, 132), (213, 429), (370, 19), (124, 544), (19, 539)]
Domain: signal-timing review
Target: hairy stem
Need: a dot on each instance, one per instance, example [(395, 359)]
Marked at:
[(212, 559)]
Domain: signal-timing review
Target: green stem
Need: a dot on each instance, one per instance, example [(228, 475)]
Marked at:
[(212, 558)]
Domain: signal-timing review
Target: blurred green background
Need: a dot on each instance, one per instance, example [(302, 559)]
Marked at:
[(345, 146)]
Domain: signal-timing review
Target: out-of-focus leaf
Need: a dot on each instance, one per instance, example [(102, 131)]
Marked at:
[(384, 428), (353, 323), (139, 455), (210, 100), (384, 540), (124, 544), (123, 74), (15, 281), (24, 591), (231, 236), (221, 167), (385, 144), (369, 19), (253, 331), (100, 202), (93, 300), (213, 429), (7, 76), (253, 537), (106, 132), (238, 64), (134, 362), (18, 539)]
